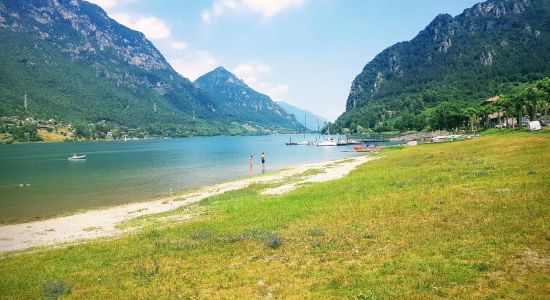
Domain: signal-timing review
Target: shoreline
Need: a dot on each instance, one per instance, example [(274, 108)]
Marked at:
[(133, 139), (104, 222)]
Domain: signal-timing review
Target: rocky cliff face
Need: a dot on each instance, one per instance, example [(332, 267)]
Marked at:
[(236, 98), (85, 33), (469, 56)]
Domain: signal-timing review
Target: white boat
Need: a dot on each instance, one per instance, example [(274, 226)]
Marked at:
[(440, 138), (342, 142), (330, 142), (77, 157), (355, 142)]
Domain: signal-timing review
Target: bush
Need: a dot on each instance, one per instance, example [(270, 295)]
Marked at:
[(146, 273), (55, 288), (274, 241)]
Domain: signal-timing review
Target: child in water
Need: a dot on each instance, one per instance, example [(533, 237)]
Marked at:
[(251, 161), (263, 159)]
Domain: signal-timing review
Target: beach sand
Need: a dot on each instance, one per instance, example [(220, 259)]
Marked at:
[(103, 222)]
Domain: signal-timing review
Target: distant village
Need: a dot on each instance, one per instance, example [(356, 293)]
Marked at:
[(14, 129)]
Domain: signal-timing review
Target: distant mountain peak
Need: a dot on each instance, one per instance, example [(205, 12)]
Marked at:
[(246, 104), (442, 18), (310, 120), (221, 69), (221, 76), (498, 8)]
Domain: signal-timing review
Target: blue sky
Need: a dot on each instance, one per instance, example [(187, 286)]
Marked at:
[(304, 52)]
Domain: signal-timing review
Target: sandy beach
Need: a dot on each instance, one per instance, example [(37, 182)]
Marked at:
[(103, 222)]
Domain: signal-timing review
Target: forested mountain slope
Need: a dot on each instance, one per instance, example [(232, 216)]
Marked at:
[(480, 53)]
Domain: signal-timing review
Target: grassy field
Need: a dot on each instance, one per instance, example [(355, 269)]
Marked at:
[(54, 136), (457, 220)]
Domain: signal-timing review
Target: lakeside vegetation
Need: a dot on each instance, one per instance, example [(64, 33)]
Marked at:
[(437, 220), (531, 100)]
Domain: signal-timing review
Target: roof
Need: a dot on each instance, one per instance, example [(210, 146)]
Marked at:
[(491, 100)]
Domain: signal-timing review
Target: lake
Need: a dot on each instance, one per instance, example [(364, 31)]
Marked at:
[(121, 172)]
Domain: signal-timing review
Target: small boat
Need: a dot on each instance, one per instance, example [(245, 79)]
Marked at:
[(342, 142), (443, 138), (290, 143), (360, 148), (77, 157), (330, 142), (355, 142)]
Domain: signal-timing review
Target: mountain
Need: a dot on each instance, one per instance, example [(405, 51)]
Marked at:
[(310, 117), (244, 104), (75, 64), (480, 53)]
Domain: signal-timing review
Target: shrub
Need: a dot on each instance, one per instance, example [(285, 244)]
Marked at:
[(274, 241), (55, 288)]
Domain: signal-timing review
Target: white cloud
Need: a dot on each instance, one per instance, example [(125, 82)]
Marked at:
[(194, 64), (270, 8), (266, 8), (277, 91), (178, 45), (248, 69), (153, 28)]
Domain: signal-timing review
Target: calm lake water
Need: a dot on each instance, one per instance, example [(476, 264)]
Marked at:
[(121, 172)]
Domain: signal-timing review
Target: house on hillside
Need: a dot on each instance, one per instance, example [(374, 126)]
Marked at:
[(498, 118), (45, 127)]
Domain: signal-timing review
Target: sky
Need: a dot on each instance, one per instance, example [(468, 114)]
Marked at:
[(303, 52)]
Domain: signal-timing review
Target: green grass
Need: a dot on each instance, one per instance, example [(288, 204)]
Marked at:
[(507, 131), (455, 220)]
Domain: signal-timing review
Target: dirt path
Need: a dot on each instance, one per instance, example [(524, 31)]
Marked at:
[(103, 223)]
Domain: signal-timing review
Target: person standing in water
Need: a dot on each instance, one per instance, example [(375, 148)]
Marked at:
[(251, 162), (263, 163)]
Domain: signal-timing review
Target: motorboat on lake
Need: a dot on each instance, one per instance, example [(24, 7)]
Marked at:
[(77, 157), (329, 142)]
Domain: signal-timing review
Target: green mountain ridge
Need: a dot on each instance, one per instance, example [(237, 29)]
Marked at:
[(77, 65), (485, 51)]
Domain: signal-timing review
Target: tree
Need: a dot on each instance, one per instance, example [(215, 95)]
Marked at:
[(447, 115), (544, 86), (473, 116)]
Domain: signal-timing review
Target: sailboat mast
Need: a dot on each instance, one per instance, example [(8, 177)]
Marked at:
[(318, 130)]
